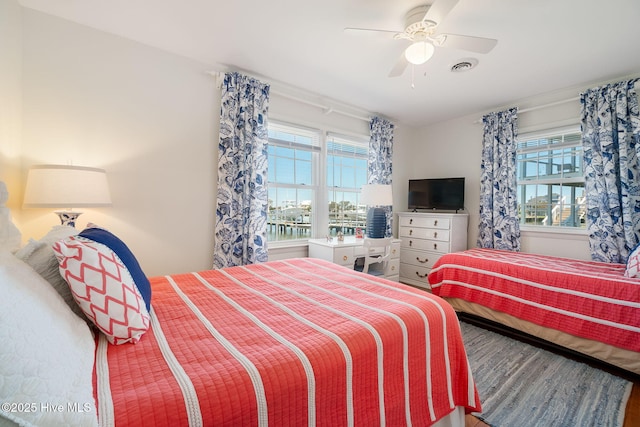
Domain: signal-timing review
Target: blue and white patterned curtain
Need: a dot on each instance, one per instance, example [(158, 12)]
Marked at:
[(499, 226), (610, 140), (242, 202), (381, 159)]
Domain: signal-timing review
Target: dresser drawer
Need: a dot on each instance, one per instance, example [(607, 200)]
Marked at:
[(425, 221), (344, 256), (395, 250), (425, 233), (393, 267), (415, 274), (419, 258), (426, 245)]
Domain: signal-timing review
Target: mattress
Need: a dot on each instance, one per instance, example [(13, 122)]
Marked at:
[(293, 342)]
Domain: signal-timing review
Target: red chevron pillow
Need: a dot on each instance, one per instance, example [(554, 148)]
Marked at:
[(107, 283), (633, 263)]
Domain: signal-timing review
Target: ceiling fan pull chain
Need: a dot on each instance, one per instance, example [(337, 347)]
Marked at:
[(413, 69)]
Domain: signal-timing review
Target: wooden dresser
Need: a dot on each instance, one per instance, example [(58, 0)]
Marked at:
[(425, 237)]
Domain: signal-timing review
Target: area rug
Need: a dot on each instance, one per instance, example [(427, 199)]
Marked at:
[(522, 385)]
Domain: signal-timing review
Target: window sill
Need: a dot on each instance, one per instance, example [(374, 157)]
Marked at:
[(288, 244), (553, 231)]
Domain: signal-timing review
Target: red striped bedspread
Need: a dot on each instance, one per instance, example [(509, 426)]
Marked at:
[(587, 299), (295, 342)]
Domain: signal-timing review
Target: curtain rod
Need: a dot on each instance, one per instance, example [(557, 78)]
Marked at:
[(540, 107), (551, 104), (327, 109)]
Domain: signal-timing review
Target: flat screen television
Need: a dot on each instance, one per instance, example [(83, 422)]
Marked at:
[(436, 194)]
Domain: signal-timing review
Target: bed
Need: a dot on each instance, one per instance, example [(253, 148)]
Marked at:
[(292, 342), (588, 307)]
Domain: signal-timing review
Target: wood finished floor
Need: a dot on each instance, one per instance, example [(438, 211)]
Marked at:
[(471, 421), (632, 414)]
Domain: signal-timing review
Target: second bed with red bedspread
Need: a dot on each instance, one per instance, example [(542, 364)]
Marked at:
[(586, 299)]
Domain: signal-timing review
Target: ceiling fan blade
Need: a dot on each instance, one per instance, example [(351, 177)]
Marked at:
[(354, 30), (400, 66), (470, 43), (439, 10)]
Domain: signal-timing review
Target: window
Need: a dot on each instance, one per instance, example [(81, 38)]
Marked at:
[(293, 160), (550, 179), (314, 182), (347, 162)]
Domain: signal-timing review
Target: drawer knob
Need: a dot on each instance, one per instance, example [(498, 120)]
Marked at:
[(411, 232), (435, 222), (344, 257), (435, 246), (426, 260), (422, 276), (410, 242), (393, 268), (410, 220), (393, 251), (435, 234)]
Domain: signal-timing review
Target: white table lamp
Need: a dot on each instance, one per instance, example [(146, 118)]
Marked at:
[(57, 186), (375, 196)]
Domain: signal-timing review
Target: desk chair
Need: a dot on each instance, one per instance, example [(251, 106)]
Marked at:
[(377, 251)]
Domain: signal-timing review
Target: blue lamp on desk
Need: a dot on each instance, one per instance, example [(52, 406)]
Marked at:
[(376, 196)]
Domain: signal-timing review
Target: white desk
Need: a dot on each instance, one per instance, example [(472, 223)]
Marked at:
[(346, 252)]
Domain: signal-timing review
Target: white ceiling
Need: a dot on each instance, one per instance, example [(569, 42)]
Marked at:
[(543, 46)]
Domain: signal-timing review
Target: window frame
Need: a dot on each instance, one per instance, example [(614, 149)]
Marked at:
[(562, 132), (360, 143), (320, 203), (315, 148)]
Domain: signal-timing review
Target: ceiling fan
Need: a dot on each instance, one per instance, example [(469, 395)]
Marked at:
[(421, 30)]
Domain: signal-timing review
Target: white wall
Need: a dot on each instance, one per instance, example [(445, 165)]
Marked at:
[(11, 101), (150, 119), (408, 150), (147, 117)]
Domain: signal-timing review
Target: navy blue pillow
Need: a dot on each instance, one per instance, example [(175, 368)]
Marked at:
[(106, 238)]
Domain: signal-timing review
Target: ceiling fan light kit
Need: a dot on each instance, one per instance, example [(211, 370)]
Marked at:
[(419, 52)]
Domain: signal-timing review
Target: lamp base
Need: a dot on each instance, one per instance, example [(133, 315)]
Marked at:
[(376, 223), (68, 217)]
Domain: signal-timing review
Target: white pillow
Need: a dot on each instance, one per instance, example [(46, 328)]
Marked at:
[(46, 352), (10, 236), (40, 256)]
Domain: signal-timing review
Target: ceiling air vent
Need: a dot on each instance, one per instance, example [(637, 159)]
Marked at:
[(464, 65)]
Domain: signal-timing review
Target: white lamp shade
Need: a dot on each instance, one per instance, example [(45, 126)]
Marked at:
[(376, 195), (419, 52), (54, 186)]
